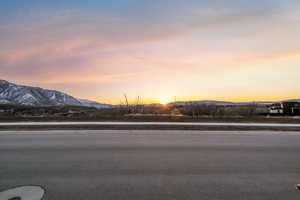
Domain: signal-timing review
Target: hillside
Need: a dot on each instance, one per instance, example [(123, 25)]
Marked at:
[(14, 94)]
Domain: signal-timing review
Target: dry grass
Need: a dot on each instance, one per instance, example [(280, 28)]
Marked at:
[(258, 119), (150, 127)]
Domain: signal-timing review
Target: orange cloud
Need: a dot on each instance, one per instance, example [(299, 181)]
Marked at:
[(193, 58)]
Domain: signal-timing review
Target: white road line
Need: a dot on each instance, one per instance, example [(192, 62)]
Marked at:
[(147, 132), (9, 124), (24, 193)]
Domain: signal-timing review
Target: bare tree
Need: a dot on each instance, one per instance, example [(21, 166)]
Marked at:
[(127, 103)]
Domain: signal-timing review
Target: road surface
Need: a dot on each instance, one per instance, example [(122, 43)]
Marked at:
[(13, 124), (153, 165)]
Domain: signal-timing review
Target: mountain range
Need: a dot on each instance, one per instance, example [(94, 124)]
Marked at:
[(14, 94), (227, 103)]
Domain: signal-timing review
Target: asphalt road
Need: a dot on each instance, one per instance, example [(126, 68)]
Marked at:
[(153, 165)]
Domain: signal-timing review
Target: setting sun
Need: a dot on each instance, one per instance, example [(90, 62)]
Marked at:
[(164, 100)]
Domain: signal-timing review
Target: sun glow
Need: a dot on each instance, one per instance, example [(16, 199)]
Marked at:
[(164, 100)]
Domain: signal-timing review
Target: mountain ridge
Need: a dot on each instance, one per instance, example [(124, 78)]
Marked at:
[(11, 93), (15, 94), (228, 103)]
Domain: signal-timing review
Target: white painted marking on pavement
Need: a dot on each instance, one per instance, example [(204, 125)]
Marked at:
[(148, 123), (23, 193), (148, 132)]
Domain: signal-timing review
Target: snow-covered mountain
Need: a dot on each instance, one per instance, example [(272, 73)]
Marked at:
[(94, 104), (219, 103), (14, 94), (292, 100), (204, 102)]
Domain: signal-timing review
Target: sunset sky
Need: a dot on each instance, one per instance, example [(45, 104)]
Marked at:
[(232, 50)]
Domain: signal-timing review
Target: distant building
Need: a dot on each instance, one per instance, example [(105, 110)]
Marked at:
[(285, 108)]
